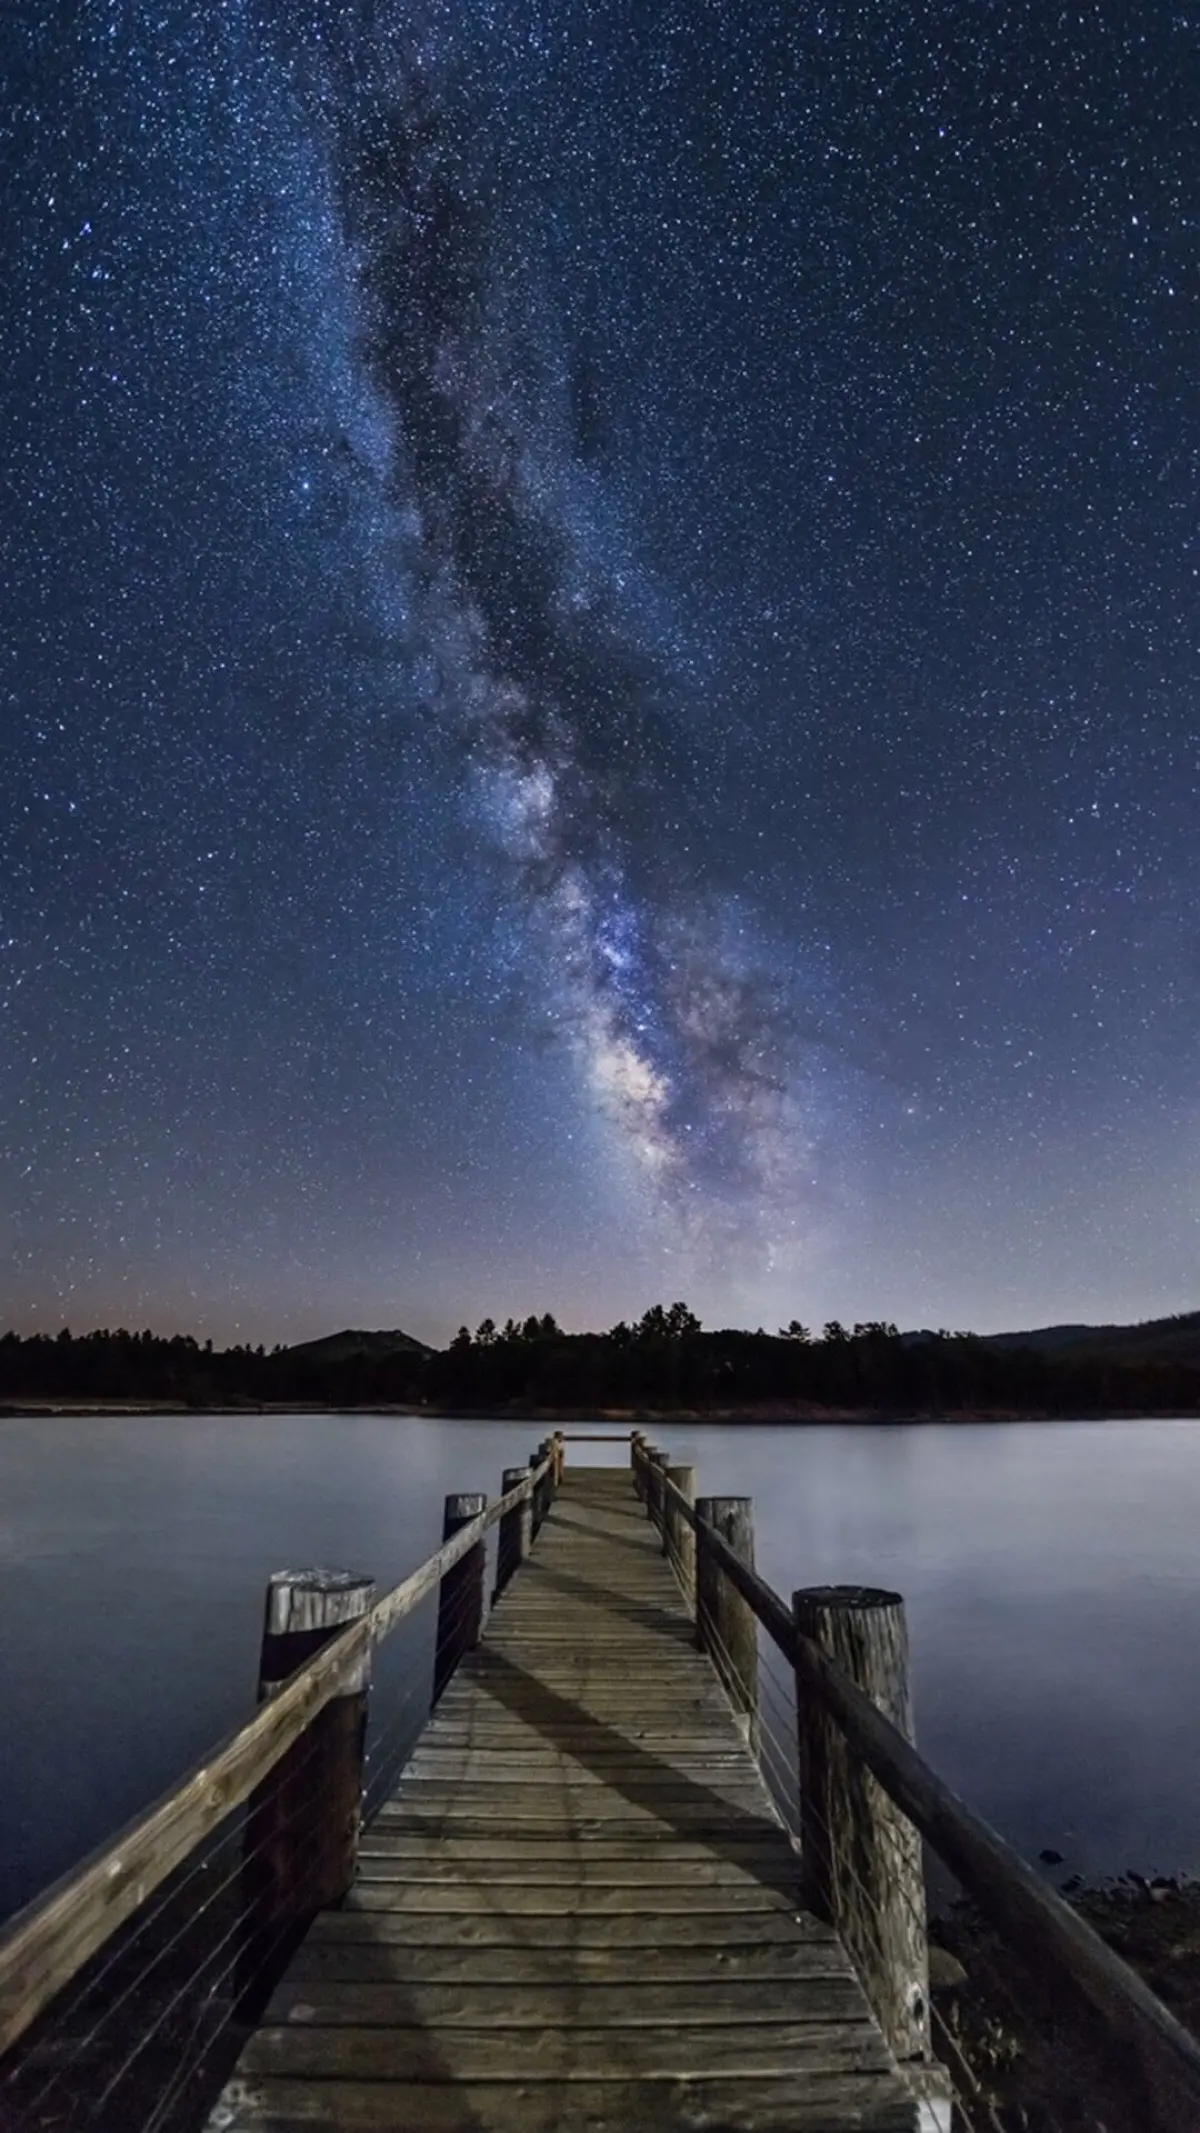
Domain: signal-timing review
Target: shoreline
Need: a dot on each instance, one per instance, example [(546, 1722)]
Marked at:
[(772, 1414), (1035, 2065)]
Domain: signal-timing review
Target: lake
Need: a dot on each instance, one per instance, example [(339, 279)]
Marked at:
[(1051, 1571)]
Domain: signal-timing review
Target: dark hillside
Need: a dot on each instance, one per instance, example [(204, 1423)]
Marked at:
[(342, 1347), (1163, 1340)]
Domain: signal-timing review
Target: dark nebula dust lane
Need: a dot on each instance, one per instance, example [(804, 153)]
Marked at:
[(599, 662), (571, 721)]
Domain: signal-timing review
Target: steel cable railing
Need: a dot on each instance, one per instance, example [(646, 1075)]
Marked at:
[(135, 2036), (973, 2065), (1054, 2034), (141, 2032), (774, 1736)]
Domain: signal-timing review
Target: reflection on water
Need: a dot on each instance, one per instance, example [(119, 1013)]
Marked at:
[(1051, 1572)]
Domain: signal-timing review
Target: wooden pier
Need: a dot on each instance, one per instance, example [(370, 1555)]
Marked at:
[(580, 1909), (604, 1888)]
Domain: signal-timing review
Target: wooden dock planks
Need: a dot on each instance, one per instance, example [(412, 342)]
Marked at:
[(578, 1913)]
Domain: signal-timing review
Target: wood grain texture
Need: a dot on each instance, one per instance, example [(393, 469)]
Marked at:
[(349, 2051), (618, 1965), (828, 2103), (392, 2003), (515, 1538), (579, 1910), (558, 1898), (300, 1845), (721, 1932), (460, 1601), (863, 1866), (679, 1533), (527, 1853), (725, 1623)]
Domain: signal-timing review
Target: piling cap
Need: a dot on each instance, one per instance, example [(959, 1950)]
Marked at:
[(316, 1599), (858, 1596), (317, 1580)]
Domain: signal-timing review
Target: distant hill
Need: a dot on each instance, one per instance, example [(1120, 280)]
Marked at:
[(1153, 1340), (343, 1347)]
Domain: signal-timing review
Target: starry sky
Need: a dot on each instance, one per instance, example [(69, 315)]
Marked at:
[(598, 682)]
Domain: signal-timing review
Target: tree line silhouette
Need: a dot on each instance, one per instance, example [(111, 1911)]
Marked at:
[(663, 1360)]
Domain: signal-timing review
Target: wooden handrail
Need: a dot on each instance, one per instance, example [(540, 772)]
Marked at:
[(47, 1943), (584, 1436), (1009, 1893)]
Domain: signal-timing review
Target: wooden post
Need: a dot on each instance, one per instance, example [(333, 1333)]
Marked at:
[(681, 1541), (661, 1462), (560, 1457), (541, 1494), (546, 1452), (301, 1842), (656, 1464), (725, 1624), (861, 1855), (460, 1604), (516, 1531), (637, 1453), (647, 1489)]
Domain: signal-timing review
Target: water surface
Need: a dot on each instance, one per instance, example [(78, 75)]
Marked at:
[(1051, 1571)]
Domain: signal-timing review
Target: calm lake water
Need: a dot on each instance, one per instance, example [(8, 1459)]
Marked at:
[(1052, 1574)]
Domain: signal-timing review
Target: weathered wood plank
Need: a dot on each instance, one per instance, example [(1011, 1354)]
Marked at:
[(517, 1637), (633, 1828), (595, 1752), (597, 1803), (595, 1703), (593, 1747), (556, 1619), (828, 2103), (570, 1931), (497, 1763), (603, 1818), (416, 1962), (571, 1899), (732, 1786), (574, 1786), (621, 1758), (583, 1872), (546, 1705), (555, 1693), (544, 1697), (658, 1854), (491, 1721), (353, 2052), (477, 1795), (514, 2004)]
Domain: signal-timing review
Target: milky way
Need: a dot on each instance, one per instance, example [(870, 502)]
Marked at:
[(570, 727), (599, 689)]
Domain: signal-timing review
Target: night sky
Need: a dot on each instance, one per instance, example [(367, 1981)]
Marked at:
[(599, 695)]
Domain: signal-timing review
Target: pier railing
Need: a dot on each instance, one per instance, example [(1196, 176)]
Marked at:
[(128, 1987), (823, 1686)]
